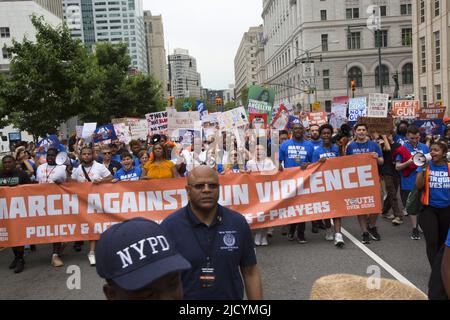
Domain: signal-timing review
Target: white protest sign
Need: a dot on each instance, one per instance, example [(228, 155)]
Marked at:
[(122, 132), (79, 130), (233, 119), (338, 115), (88, 131), (181, 120), (156, 122), (378, 105), (139, 130), (356, 108)]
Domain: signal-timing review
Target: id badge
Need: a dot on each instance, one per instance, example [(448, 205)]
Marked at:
[(207, 277)]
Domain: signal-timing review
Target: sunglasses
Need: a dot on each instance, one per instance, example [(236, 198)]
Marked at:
[(106, 152), (202, 186)]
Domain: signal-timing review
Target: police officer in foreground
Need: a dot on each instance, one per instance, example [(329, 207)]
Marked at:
[(216, 241), (139, 262)]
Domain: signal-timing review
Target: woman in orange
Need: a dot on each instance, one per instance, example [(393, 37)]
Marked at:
[(159, 167)]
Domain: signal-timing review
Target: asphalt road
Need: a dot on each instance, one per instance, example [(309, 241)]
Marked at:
[(288, 269)]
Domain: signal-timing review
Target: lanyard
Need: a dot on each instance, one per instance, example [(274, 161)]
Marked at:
[(48, 175)]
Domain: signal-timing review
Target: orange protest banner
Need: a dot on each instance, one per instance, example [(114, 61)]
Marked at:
[(406, 108), (341, 187)]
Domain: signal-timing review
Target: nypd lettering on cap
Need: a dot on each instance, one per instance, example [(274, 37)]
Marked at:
[(137, 251)]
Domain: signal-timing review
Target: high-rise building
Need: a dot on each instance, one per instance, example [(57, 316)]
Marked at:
[(119, 21), (184, 80), (54, 6), (431, 56), (246, 62), (228, 94), (156, 52), (334, 34)]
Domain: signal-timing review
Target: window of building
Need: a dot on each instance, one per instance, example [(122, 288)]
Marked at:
[(355, 73), (438, 91), (437, 5), (352, 13), (328, 105), (406, 9), (4, 32), (354, 40), (325, 42), (437, 50), (384, 76), (422, 11), (384, 38), (407, 73), (6, 54), (323, 15), (407, 37), (423, 96), (383, 11), (423, 62), (326, 79)]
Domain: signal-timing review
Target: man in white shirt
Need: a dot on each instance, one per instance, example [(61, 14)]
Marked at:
[(50, 172), (91, 171)]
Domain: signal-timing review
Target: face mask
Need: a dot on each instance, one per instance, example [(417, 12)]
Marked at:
[(402, 131)]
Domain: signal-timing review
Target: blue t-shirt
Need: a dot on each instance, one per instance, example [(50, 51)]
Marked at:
[(400, 139), (322, 152), (294, 154), (439, 185), (408, 183), (317, 143), (360, 148), (229, 243), (447, 243), (134, 174)]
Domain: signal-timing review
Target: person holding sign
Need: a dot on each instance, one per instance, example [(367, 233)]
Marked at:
[(326, 151), (50, 172), (434, 181), (296, 152), (405, 164), (362, 145)]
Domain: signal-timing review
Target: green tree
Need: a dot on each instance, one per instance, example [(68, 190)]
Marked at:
[(244, 96), (120, 94), (49, 80), (230, 105)]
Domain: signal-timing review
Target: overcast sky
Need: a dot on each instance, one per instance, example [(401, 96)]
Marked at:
[(210, 29)]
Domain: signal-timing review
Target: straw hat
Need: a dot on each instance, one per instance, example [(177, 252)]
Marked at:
[(351, 287)]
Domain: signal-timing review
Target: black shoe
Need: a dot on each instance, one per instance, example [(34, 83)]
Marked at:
[(13, 263), (321, 225), (374, 234), (301, 239), (290, 236), (365, 238), (20, 265), (415, 234), (315, 227)]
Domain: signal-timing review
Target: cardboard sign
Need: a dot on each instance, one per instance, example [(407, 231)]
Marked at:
[(139, 130), (181, 120), (156, 122), (406, 109), (341, 187), (432, 111), (378, 105), (383, 126), (318, 118), (232, 119)]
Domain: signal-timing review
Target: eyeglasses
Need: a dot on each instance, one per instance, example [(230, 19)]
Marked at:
[(106, 152), (202, 186)]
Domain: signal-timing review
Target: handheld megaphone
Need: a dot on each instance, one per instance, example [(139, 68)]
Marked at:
[(62, 159), (421, 159), (156, 138)]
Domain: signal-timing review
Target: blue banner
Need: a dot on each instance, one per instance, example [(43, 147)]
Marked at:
[(104, 133)]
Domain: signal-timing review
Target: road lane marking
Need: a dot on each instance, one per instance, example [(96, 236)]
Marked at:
[(378, 260)]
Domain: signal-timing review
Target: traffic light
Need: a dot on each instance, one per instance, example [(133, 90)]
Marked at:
[(353, 85), (171, 98), (218, 102)]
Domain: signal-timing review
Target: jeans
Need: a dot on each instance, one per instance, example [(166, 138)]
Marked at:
[(392, 184)]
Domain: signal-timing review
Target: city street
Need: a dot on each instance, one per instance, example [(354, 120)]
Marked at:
[(288, 269)]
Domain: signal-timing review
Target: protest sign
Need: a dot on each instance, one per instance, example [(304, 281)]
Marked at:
[(432, 127), (46, 143), (382, 126), (378, 105), (210, 124), (258, 121), (50, 213), (156, 122), (139, 130), (338, 115), (181, 120), (280, 116), (126, 121), (234, 118), (79, 131), (432, 111), (261, 100), (318, 118), (356, 108), (407, 109), (122, 132), (88, 131), (104, 133)]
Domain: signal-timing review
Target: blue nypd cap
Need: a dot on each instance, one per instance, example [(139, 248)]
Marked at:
[(135, 253)]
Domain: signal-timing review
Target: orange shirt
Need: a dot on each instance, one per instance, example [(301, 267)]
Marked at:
[(162, 170)]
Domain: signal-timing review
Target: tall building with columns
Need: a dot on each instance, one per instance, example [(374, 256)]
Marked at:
[(334, 35)]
